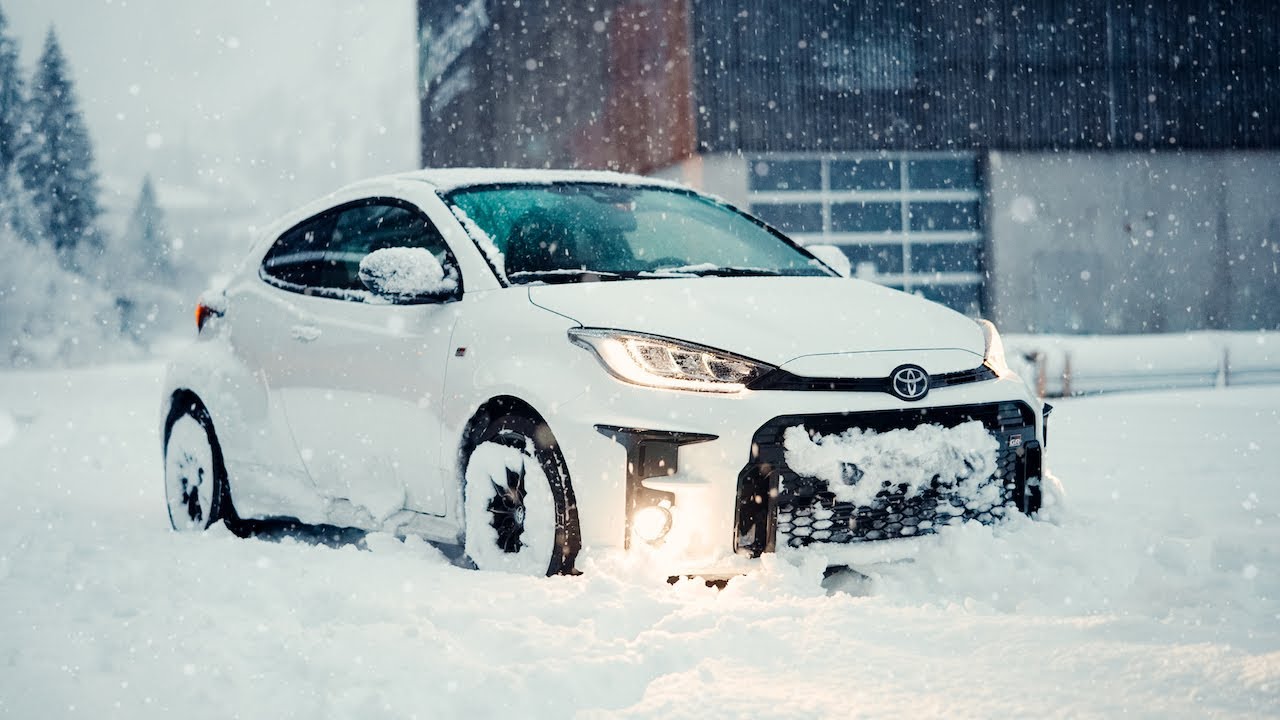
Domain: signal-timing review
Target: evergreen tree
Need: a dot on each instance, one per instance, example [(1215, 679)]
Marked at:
[(18, 215), (140, 271), (146, 238), (13, 102), (57, 167)]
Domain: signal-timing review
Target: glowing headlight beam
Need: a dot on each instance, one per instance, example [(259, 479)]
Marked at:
[(660, 362), (651, 523)]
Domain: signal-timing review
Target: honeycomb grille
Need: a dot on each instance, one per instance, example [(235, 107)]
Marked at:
[(779, 508), (813, 515)]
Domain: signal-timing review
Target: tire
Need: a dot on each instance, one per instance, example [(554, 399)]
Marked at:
[(519, 512), (195, 477)]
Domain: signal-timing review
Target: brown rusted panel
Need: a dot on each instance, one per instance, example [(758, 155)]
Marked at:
[(579, 84), (649, 107)]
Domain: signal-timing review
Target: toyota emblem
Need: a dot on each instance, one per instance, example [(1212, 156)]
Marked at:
[(909, 382)]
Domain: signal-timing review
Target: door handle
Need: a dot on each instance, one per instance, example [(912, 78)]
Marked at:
[(304, 333)]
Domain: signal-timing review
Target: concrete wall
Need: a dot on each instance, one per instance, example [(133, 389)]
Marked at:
[(720, 174), (1134, 242)]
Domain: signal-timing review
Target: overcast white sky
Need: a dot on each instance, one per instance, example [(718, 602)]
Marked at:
[(240, 109)]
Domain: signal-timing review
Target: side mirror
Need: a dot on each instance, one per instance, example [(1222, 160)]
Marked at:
[(407, 275), (833, 257)]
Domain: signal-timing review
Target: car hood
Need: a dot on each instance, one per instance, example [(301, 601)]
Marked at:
[(774, 319)]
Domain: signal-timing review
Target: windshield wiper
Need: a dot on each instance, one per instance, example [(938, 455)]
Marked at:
[(578, 275), (717, 271), (557, 277)]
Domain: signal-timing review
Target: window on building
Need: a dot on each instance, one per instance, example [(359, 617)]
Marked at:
[(792, 218), (866, 217), (912, 221), (786, 175), (869, 174)]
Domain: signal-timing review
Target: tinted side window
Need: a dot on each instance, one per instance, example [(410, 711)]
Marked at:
[(323, 255), (299, 256)]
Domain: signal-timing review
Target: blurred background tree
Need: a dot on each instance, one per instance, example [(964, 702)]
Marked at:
[(56, 160), (61, 300)]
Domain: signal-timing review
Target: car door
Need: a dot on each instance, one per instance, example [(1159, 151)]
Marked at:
[(361, 377)]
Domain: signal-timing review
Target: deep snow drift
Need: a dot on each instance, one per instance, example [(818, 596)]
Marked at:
[(1157, 594)]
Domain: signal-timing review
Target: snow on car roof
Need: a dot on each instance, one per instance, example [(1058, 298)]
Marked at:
[(447, 179)]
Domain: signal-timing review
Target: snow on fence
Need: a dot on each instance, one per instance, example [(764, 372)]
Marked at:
[(1061, 365)]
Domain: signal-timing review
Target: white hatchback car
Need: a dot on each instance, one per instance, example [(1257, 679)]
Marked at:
[(531, 364)]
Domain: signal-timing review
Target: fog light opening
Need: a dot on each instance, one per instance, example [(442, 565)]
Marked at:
[(651, 523)]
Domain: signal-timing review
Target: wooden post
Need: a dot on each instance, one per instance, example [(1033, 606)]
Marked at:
[(1042, 372)]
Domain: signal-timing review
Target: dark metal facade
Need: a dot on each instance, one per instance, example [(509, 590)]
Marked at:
[(1022, 75), (638, 84)]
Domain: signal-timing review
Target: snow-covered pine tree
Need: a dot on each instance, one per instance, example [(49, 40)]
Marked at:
[(58, 165), (146, 238), (140, 270), (18, 215), (13, 100)]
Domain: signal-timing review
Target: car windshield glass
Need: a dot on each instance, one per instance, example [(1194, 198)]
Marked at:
[(574, 232)]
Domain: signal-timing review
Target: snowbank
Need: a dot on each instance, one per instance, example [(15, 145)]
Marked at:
[(52, 317)]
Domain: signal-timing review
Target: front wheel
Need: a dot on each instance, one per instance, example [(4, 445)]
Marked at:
[(195, 476), (518, 504)]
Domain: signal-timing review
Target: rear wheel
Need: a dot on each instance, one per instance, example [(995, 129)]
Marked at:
[(518, 505), (195, 476)]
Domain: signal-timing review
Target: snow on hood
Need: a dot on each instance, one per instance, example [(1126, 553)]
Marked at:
[(772, 319)]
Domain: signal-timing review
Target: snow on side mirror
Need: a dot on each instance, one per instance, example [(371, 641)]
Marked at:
[(406, 275), (834, 257)]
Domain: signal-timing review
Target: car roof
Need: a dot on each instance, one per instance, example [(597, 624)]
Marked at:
[(448, 179)]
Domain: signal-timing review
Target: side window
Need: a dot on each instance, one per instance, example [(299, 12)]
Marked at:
[(322, 256), (298, 259)]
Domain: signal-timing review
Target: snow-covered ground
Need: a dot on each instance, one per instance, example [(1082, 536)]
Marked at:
[(1157, 594)]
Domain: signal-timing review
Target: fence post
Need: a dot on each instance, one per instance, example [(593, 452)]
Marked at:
[(1066, 373), (1042, 372)]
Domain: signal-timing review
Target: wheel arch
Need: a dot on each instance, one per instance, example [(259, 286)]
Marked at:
[(494, 407), (178, 399), (183, 401), (547, 446)]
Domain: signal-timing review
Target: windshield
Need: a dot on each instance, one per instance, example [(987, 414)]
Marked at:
[(570, 232)]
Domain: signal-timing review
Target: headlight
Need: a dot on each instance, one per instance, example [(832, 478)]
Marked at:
[(993, 355), (664, 363)]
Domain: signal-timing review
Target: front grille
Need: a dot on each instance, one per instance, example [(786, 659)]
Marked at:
[(778, 507), (779, 379)]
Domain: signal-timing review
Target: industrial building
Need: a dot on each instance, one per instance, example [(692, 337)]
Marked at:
[(1084, 166)]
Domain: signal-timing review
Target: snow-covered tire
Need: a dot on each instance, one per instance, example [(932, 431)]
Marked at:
[(195, 477), (518, 506)]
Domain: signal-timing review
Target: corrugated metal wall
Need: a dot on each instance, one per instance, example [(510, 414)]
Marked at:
[(1036, 74)]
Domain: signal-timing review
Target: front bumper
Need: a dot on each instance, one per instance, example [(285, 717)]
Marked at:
[(723, 490)]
